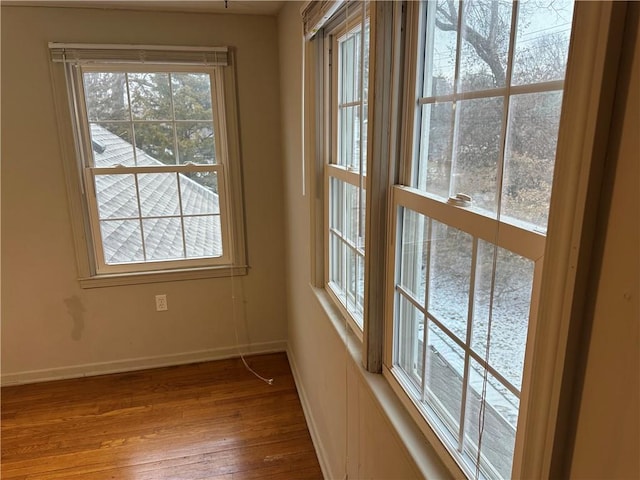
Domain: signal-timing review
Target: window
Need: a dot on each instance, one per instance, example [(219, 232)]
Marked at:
[(463, 137), (470, 216), (347, 59), (153, 142)]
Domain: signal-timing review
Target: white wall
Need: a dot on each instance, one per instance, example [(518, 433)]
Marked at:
[(364, 435), (52, 327)]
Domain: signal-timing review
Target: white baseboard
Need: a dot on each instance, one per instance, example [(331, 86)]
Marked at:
[(311, 424), (127, 365)]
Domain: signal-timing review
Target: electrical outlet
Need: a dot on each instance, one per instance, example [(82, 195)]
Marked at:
[(161, 303)]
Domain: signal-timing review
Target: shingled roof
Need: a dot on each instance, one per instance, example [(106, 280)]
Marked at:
[(118, 208)]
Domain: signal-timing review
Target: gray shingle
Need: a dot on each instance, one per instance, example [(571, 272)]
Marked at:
[(159, 197)]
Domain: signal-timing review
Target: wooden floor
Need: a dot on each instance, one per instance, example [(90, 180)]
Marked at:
[(211, 420)]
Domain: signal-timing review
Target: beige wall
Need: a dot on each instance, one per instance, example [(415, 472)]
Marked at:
[(607, 443), (52, 327)]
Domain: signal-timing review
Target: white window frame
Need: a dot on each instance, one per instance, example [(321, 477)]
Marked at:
[(217, 62), (337, 28), (588, 82)]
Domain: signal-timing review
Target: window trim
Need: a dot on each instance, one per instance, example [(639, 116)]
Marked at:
[(225, 98)]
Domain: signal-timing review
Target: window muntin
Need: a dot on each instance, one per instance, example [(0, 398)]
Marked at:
[(464, 283), (451, 286), (459, 89), (346, 169), (153, 167)]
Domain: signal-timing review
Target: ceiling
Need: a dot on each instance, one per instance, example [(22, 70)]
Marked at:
[(253, 7)]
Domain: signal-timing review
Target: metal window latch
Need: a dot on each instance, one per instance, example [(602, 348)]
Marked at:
[(460, 200)]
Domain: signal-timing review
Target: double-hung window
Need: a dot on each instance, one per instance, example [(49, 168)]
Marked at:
[(152, 138), (483, 100), (346, 61)]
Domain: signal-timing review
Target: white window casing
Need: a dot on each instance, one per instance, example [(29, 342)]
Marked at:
[(199, 258)]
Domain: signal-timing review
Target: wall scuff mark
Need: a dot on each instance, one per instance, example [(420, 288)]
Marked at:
[(76, 312)]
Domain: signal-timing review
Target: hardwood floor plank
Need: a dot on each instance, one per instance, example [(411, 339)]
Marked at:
[(207, 420)]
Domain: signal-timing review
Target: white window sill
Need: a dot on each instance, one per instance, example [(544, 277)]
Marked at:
[(424, 457), (158, 276)]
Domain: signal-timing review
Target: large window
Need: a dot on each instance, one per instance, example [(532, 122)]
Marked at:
[(470, 216), (152, 141), (347, 61)]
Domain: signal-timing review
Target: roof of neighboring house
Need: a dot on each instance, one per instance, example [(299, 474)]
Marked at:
[(159, 198)]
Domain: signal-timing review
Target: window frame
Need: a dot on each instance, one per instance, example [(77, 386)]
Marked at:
[(339, 26), (74, 133)]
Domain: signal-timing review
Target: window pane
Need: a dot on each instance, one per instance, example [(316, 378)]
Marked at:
[(444, 374), (121, 241), (337, 254), (409, 333), (363, 219), (336, 205), (353, 284), (449, 277), (158, 194), (349, 137), (542, 41), (352, 214), (163, 238), (191, 96), (346, 214), (349, 82), (486, 27), (196, 142), (106, 96), (111, 144), (434, 167), (359, 287), (156, 140), (199, 192), (203, 236), (116, 196), (413, 251), (510, 302), (477, 151), (530, 156), (362, 150), (150, 96), (496, 418), (440, 51)]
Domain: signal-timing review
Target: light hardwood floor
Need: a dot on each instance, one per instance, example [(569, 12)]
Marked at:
[(211, 420)]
